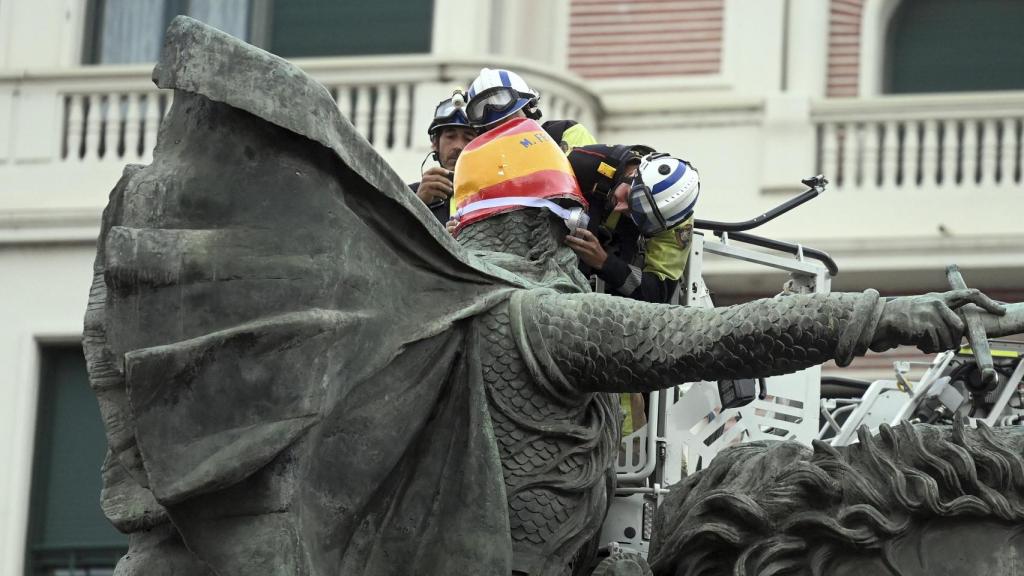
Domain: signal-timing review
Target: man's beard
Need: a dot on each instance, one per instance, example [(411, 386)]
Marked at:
[(452, 158)]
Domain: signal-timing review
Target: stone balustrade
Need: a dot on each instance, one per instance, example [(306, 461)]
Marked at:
[(964, 141), (77, 127)]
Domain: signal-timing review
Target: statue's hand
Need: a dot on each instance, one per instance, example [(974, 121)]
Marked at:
[(928, 321)]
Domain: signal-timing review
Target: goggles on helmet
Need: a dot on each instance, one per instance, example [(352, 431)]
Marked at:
[(494, 104), (450, 112), (643, 209)]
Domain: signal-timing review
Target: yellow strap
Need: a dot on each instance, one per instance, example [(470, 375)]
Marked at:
[(967, 351)]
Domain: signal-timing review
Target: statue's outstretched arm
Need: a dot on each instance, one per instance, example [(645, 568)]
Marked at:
[(592, 342)]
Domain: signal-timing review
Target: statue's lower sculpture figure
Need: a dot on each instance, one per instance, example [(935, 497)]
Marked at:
[(913, 500), (301, 373)]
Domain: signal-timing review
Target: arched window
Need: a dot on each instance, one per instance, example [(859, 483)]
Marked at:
[(955, 46)]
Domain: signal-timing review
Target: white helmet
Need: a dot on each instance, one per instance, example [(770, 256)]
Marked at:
[(496, 94), (663, 193)]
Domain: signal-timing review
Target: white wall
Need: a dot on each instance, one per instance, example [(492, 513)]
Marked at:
[(752, 45), (40, 33), (42, 299)]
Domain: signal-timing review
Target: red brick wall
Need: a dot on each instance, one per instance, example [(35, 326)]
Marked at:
[(845, 21), (623, 38)]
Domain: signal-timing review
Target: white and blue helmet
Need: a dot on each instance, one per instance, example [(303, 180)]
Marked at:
[(496, 94), (663, 194)]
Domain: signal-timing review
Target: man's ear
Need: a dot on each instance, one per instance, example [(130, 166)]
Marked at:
[(433, 149)]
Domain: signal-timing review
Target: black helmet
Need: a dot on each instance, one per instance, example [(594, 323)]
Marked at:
[(598, 167), (450, 112)]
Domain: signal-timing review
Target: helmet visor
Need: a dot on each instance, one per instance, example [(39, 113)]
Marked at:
[(491, 104), (446, 110), (644, 210)]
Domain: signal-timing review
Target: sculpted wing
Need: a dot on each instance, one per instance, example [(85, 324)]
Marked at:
[(266, 291)]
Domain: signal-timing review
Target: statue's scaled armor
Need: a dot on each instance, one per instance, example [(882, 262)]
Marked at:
[(552, 359), (556, 455), (557, 450)]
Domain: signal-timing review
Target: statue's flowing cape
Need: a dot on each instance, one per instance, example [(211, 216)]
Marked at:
[(279, 336)]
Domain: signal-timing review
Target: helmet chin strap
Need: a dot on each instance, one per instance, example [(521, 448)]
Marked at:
[(574, 217)]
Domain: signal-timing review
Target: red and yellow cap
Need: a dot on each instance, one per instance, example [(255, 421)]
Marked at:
[(510, 167)]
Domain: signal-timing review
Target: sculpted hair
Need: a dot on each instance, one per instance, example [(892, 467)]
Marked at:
[(779, 508)]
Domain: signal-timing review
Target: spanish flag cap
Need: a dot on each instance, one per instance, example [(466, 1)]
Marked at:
[(510, 167)]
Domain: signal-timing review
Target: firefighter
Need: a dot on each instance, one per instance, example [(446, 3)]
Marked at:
[(450, 132), (641, 219)]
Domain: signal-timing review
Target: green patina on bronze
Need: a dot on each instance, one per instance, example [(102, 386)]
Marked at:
[(302, 373)]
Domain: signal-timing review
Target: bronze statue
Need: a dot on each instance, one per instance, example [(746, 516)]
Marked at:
[(914, 500), (302, 373)]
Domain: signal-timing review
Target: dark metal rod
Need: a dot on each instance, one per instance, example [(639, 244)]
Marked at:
[(817, 186)]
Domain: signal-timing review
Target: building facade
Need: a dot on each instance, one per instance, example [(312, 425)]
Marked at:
[(912, 108)]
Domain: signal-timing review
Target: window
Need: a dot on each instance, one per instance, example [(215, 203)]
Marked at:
[(68, 534), (331, 28), (955, 45), (131, 31)]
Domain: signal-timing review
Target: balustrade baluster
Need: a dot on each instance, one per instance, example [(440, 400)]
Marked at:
[(872, 148), (929, 154), (75, 128), (950, 162), (1007, 146), (93, 125), (890, 154), (116, 148), (989, 146), (853, 143), (911, 164), (403, 116), (969, 148), (1018, 169), (132, 127), (361, 116), (381, 116), (110, 126)]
